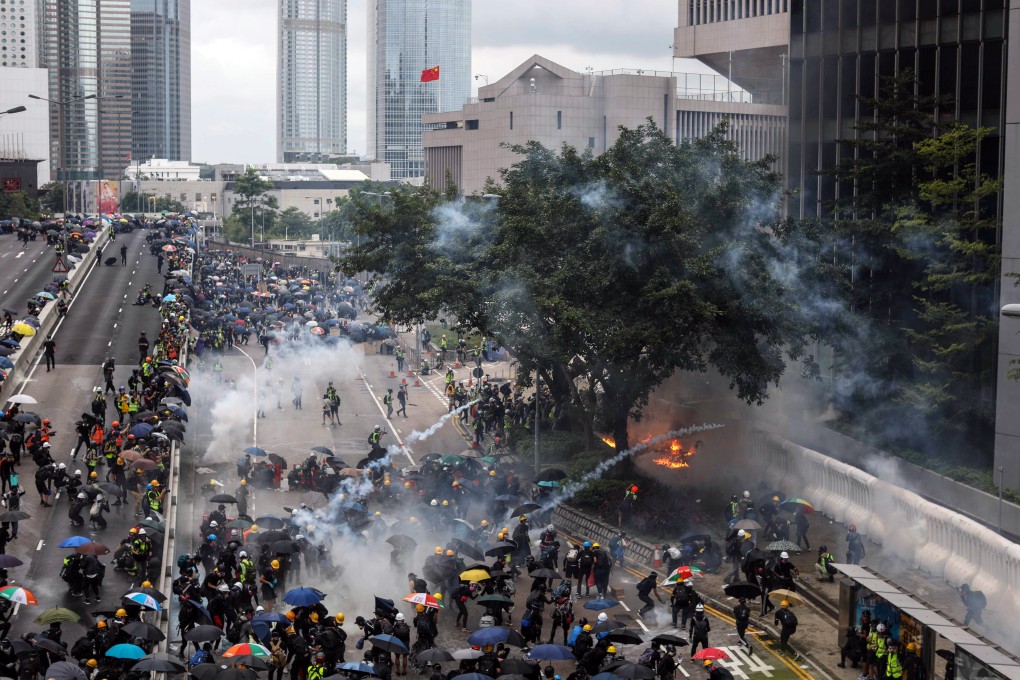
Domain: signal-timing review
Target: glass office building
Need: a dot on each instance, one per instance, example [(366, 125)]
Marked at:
[(86, 45), (311, 94), (160, 80), (406, 37)]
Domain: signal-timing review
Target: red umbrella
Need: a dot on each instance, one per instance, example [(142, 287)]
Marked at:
[(713, 653)]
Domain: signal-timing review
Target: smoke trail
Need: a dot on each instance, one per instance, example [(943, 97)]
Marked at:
[(573, 488), (417, 436)]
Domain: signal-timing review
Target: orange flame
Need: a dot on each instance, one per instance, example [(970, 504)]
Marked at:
[(609, 440), (677, 457)]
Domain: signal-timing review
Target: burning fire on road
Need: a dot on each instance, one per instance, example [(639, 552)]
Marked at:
[(676, 456)]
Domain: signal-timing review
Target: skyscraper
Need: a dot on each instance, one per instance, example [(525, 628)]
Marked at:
[(311, 97), (405, 37), (161, 79), (86, 45)]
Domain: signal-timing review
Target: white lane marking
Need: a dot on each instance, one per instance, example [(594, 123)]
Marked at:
[(109, 343), (114, 325), (19, 254), (39, 547), (120, 310)]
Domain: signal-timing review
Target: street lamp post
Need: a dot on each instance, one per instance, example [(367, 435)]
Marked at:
[(16, 109)]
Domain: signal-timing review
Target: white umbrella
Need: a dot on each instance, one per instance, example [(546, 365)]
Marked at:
[(22, 399)]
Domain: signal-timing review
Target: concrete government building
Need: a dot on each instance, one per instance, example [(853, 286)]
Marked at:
[(543, 101)]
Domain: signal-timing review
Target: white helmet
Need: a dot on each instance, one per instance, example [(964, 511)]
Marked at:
[(293, 511), (214, 523), (299, 537), (550, 528), (741, 533), (784, 555), (434, 503), (81, 496), (77, 473), (747, 494), (259, 608), (688, 582), (603, 617), (700, 608), (242, 554), (880, 628), (62, 466), (141, 532), (400, 616)]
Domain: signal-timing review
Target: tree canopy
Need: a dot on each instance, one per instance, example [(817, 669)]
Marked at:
[(609, 273)]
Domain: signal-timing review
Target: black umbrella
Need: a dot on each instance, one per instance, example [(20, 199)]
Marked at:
[(551, 475), (436, 655), (278, 460), (204, 633), (207, 671), (285, 547), (14, 516), (323, 450), (271, 537), (501, 548), (667, 639), (28, 417), (545, 573), (624, 636), (50, 646), (159, 663), (151, 592), (63, 670), (469, 549), (112, 489), (270, 522), (222, 498), (402, 542), (146, 631), (248, 661), (525, 509), (22, 649), (608, 626), (630, 671), (517, 666), (236, 674), (742, 589)]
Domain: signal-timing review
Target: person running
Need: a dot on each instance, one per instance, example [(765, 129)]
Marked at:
[(50, 351), (402, 398)]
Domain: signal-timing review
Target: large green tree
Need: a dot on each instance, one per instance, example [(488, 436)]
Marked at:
[(610, 273), (18, 204)]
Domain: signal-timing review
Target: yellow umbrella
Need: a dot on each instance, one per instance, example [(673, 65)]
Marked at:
[(475, 575), (788, 595), (22, 328)]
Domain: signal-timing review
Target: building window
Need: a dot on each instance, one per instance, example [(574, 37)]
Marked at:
[(559, 120), (511, 120), (471, 124), (591, 142), (315, 202)]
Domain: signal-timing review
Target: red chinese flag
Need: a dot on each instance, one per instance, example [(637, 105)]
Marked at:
[(430, 74)]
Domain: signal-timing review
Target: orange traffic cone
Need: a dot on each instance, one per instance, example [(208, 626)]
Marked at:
[(417, 383), (403, 381), (392, 374), (474, 445)]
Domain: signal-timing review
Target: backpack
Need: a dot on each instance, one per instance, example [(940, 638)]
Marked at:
[(572, 555), (201, 656), (647, 658), (733, 547), (402, 631), (701, 626), (97, 509), (182, 560)]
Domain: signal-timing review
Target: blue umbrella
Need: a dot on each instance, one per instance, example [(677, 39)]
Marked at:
[(125, 651), (599, 605), (474, 676), (183, 394), (255, 451), (357, 667), (271, 617), (169, 298), (177, 411), (552, 484), (488, 636), (261, 630), (389, 643), (74, 542), (10, 343), (304, 597), (141, 430), (143, 600), (551, 653), (6, 363)]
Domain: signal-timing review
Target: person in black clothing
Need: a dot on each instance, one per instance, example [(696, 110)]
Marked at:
[(648, 585), (699, 629), (143, 346), (787, 621), (742, 618), (123, 255), (50, 351), (855, 647)]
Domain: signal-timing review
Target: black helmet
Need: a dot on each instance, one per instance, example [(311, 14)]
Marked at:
[(823, 548)]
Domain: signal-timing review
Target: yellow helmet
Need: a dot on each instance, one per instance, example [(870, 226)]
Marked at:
[(275, 564), (101, 624), (449, 553), (314, 616), (121, 612), (244, 482), (492, 473), (419, 608), (91, 663), (407, 485), (523, 518), (254, 528), (708, 662), (445, 503), (339, 618), (133, 530), (146, 584), (911, 647), (93, 475), (438, 596), (587, 628), (438, 550), (290, 615), (386, 482), (485, 522), (595, 545), (611, 649), (784, 603)]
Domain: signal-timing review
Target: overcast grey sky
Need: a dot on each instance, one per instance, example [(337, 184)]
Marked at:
[(234, 59)]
